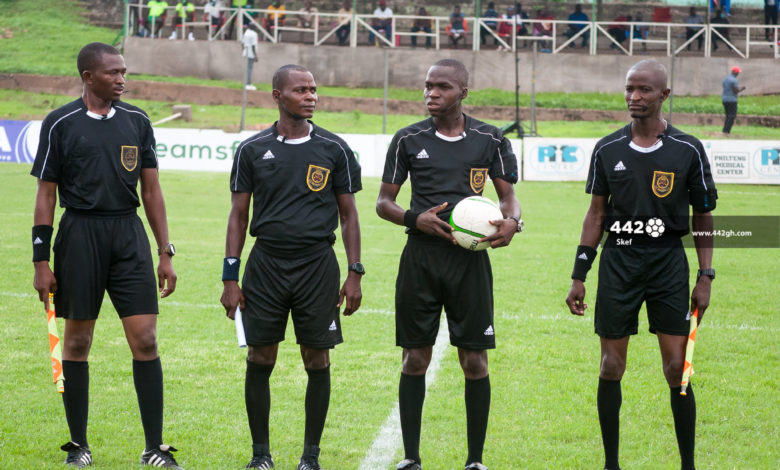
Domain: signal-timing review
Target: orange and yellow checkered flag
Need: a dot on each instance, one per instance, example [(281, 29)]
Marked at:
[(55, 347), (688, 367)]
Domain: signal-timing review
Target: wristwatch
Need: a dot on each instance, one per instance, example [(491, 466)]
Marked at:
[(519, 223), (166, 249), (358, 268), (705, 272)]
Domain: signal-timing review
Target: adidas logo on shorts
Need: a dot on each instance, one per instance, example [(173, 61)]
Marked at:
[(489, 331), (422, 154), (620, 166), (268, 155), (333, 326)]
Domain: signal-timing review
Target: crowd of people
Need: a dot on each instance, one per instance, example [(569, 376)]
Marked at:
[(219, 18)]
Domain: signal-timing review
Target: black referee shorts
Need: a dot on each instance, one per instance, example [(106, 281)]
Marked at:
[(308, 286), (629, 276), (95, 254), (434, 273)]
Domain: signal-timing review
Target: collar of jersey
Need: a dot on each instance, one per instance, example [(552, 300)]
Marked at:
[(102, 117), (298, 141), (456, 138)]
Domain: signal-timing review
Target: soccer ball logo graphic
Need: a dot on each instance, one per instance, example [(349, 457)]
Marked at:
[(655, 227)]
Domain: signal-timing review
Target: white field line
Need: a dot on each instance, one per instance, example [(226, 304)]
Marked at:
[(388, 440)]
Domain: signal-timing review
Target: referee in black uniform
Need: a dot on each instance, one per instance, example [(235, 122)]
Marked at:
[(644, 171), (303, 181), (93, 151), (448, 157)]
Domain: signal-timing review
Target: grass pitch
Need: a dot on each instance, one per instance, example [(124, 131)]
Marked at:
[(544, 372)]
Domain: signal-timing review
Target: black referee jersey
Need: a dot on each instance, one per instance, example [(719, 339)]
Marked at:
[(652, 182), (448, 169), (95, 160), (294, 184)]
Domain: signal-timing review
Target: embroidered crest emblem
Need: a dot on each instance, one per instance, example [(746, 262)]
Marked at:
[(662, 183), (477, 179), (317, 177), (129, 157)]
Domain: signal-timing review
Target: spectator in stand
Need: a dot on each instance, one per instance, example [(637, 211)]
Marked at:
[(544, 28), (693, 19), (307, 15), (719, 18), (457, 29), (382, 22), (484, 31), (771, 8), (640, 31), (724, 5), (619, 32), (505, 28), (575, 28), (422, 24), (158, 10), (276, 12), (213, 10), (231, 26), (185, 12), (345, 14)]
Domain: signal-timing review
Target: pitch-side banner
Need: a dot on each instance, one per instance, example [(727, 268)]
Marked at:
[(740, 161), (732, 161)]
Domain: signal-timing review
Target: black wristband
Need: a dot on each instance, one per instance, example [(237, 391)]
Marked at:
[(41, 242), (230, 268), (410, 219), (583, 261)]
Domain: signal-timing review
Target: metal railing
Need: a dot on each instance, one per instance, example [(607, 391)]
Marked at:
[(553, 36)]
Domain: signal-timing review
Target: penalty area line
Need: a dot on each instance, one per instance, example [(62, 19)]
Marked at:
[(388, 440)]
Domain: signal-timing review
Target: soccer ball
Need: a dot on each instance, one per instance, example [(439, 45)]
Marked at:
[(470, 221), (655, 227)]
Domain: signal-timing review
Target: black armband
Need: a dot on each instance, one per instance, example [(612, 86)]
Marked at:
[(230, 267), (583, 261), (703, 201), (41, 242), (410, 219)]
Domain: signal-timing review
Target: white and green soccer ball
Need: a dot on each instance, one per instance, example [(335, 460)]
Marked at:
[(655, 227), (470, 221)]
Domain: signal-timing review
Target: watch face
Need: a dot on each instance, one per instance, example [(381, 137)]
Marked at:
[(358, 268)]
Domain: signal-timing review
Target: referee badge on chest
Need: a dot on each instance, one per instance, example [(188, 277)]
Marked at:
[(317, 177), (129, 157), (477, 179), (663, 182)]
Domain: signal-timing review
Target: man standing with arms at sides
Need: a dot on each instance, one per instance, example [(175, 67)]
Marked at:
[(731, 90), (93, 151), (648, 169), (303, 180), (449, 157)]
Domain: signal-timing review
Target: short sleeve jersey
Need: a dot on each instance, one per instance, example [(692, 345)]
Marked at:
[(294, 184), (95, 160), (656, 182), (444, 169)]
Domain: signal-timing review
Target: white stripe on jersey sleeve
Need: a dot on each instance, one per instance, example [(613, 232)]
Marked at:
[(48, 149), (500, 157), (398, 146), (346, 157), (596, 156), (701, 164)]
